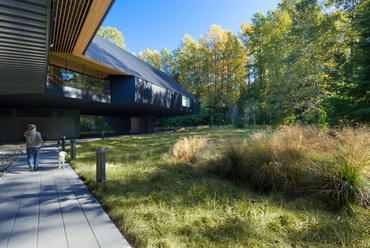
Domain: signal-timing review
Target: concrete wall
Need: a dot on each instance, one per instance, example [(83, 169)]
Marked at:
[(49, 123)]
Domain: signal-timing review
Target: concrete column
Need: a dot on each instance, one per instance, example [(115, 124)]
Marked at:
[(121, 125)]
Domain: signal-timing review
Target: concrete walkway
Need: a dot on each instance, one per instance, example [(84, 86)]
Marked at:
[(51, 208)]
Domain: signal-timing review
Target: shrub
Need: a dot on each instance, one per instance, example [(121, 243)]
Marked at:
[(295, 160), (348, 179), (229, 164), (269, 177), (274, 162), (189, 149), (345, 185)]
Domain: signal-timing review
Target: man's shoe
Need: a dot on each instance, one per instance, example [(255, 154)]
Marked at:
[(31, 169)]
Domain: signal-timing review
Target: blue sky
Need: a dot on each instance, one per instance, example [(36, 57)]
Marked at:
[(155, 24)]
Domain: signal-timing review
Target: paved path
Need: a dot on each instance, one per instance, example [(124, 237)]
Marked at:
[(51, 208)]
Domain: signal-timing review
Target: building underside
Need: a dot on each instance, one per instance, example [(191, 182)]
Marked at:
[(54, 68)]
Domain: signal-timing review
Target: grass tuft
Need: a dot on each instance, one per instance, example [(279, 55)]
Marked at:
[(189, 149), (302, 161)]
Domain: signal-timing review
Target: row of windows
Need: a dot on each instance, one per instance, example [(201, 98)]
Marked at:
[(65, 77)]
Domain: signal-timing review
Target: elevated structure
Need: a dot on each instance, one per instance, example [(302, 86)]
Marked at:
[(53, 67)]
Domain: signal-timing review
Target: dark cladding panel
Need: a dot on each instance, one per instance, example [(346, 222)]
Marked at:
[(24, 46), (148, 93), (122, 89)]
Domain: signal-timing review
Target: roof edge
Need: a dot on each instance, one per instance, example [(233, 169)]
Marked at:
[(97, 28)]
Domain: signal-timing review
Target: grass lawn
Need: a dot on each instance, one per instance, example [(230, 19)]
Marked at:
[(157, 202)]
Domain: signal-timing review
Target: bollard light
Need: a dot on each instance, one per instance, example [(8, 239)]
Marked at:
[(100, 166), (64, 143), (58, 143), (73, 148), (130, 132), (102, 135)]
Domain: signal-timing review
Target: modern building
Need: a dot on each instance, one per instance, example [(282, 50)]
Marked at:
[(54, 68)]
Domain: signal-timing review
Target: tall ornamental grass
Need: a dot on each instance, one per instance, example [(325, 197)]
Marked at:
[(189, 149), (302, 161)]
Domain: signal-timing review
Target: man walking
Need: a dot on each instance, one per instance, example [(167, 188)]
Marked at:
[(33, 143)]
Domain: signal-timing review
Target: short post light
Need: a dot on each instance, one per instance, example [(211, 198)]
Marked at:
[(100, 166), (73, 148), (64, 143)]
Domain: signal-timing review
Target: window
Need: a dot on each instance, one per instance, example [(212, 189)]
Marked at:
[(185, 102), (65, 77)]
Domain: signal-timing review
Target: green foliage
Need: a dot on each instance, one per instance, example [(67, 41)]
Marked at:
[(153, 58), (212, 112), (90, 123), (323, 119), (350, 79), (346, 185), (289, 120), (113, 35)]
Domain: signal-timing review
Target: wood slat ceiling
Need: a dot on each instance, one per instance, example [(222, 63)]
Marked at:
[(74, 23), (68, 19)]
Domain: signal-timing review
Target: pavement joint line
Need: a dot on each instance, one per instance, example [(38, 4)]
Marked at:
[(39, 214), (60, 207), (83, 211), (19, 205), (7, 191)]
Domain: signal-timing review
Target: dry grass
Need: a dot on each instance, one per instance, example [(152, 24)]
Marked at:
[(189, 149), (303, 161)]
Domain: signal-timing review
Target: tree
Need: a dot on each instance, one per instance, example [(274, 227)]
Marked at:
[(113, 35), (167, 64), (349, 84), (152, 58), (188, 65)]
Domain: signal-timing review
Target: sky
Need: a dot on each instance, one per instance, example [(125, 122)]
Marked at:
[(156, 24)]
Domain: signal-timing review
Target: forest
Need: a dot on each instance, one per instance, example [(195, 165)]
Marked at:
[(305, 62)]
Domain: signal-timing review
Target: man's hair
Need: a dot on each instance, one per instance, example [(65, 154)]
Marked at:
[(31, 127)]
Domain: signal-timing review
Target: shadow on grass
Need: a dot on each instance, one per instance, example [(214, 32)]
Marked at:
[(155, 202), (222, 213)]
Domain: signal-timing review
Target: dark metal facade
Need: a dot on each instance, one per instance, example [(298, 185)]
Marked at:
[(24, 45)]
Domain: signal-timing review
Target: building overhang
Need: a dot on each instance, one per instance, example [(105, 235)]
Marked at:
[(74, 24), (61, 33), (84, 104)]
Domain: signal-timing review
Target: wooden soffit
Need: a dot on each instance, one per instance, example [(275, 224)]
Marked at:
[(82, 64), (74, 24)]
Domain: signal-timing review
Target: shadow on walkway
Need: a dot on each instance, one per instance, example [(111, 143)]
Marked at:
[(51, 208)]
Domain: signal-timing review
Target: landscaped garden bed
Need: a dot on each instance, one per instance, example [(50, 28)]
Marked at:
[(225, 187)]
